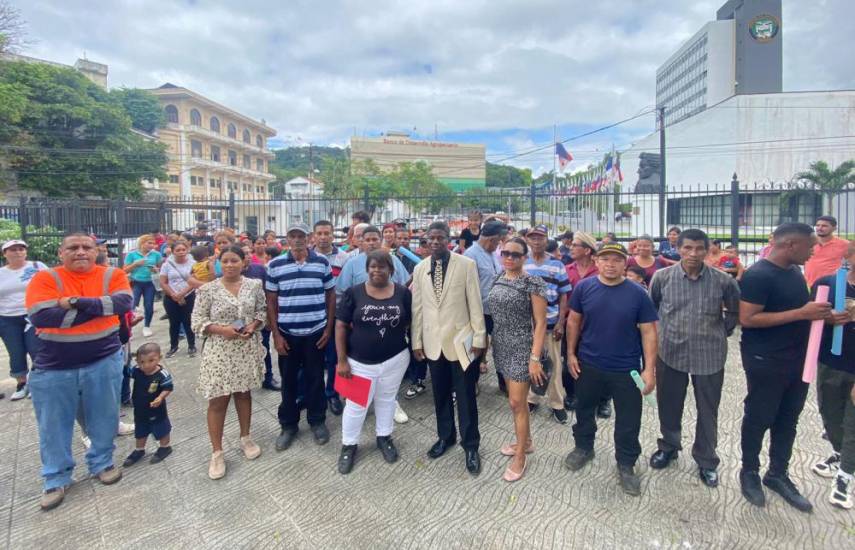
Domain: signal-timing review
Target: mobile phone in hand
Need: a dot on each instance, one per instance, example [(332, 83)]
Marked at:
[(239, 325)]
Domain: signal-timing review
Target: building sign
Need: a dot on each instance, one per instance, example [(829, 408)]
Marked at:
[(764, 28)]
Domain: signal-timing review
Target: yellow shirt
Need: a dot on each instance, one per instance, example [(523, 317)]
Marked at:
[(202, 271)]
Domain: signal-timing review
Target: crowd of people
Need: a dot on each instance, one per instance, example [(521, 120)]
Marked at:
[(573, 324)]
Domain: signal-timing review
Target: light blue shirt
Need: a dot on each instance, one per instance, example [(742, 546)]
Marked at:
[(354, 273), (488, 269)]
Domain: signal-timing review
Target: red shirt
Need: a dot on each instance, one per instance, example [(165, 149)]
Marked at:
[(826, 259), (574, 275)]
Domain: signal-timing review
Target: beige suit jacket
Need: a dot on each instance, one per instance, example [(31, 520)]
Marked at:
[(435, 325)]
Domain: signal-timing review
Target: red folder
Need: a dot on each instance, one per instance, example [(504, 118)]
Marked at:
[(355, 388)]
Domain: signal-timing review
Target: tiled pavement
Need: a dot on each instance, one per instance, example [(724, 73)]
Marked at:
[(296, 499)]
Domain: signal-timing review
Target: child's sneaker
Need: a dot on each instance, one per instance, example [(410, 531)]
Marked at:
[(160, 454), (133, 458), (828, 467), (841, 494)]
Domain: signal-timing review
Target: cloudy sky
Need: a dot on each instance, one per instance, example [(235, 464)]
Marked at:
[(496, 72)]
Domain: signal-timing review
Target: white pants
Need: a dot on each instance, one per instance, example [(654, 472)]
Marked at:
[(385, 382)]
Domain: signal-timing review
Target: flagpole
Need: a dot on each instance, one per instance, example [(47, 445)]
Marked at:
[(554, 178)]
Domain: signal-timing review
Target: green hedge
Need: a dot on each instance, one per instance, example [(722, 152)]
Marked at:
[(42, 248)]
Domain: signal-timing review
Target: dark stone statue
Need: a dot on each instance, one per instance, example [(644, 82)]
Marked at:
[(649, 173)]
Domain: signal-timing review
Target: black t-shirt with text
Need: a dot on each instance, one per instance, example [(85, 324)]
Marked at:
[(777, 290), (378, 327)]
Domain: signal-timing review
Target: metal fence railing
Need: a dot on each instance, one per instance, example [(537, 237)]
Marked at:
[(745, 215)]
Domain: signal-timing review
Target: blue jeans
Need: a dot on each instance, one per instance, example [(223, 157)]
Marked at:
[(144, 289), (56, 395), (18, 343)]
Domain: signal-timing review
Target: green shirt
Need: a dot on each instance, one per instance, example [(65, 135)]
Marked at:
[(143, 273)]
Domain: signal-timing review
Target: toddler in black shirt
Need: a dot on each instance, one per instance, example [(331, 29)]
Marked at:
[(152, 385)]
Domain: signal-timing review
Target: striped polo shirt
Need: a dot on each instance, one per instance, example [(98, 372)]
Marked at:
[(554, 275), (301, 288)]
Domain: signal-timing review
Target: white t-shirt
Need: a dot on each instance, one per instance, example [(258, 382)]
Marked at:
[(13, 286), (177, 274)]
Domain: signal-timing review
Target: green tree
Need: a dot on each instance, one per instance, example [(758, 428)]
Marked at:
[(372, 184), (827, 181), (143, 108), (67, 137), (420, 188), (500, 175)]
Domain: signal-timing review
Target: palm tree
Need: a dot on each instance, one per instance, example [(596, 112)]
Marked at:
[(827, 181)]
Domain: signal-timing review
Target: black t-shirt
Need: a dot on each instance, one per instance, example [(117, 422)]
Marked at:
[(777, 290), (378, 327), (467, 237), (146, 389), (846, 360)]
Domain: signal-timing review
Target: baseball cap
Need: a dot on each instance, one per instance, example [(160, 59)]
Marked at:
[(13, 242), (299, 227), (493, 228), (612, 248), (539, 229)]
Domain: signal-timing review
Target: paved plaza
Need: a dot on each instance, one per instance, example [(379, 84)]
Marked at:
[(297, 499)]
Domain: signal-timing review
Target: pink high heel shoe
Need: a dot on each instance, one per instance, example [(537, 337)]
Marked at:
[(510, 476), (508, 450)]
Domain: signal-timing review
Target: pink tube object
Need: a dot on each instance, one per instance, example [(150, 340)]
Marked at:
[(809, 372)]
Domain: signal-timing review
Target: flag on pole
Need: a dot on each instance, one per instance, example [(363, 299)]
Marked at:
[(564, 157)]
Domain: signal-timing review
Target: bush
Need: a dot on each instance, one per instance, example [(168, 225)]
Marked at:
[(42, 246)]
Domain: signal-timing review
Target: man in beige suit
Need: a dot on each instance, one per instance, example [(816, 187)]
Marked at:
[(447, 306)]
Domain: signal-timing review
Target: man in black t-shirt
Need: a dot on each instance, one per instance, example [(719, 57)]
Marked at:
[(775, 313)]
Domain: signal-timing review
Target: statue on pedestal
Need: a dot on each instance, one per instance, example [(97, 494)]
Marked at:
[(649, 173)]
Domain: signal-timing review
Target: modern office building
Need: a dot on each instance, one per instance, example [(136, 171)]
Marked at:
[(739, 53), (213, 150), (461, 166)]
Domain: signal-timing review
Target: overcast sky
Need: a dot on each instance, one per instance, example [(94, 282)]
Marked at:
[(498, 72)]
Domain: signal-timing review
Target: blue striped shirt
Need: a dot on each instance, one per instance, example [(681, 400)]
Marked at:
[(554, 275), (301, 288)]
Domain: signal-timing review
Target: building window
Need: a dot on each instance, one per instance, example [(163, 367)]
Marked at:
[(247, 162), (215, 182), (215, 153), (215, 124), (195, 149), (232, 158), (259, 190), (197, 180), (171, 114), (232, 131), (259, 141), (195, 117), (246, 137), (173, 178), (259, 165)]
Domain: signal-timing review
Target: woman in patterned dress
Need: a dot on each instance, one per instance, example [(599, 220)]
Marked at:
[(230, 313), (518, 305)]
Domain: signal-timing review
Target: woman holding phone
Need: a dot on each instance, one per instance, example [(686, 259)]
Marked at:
[(229, 314)]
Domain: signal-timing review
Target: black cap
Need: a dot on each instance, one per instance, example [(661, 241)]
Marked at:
[(493, 228)]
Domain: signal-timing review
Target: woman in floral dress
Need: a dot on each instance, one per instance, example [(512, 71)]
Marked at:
[(229, 314)]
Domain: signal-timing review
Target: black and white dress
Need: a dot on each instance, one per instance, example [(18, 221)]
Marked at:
[(509, 303)]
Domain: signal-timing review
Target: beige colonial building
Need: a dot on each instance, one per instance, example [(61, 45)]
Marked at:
[(213, 150)]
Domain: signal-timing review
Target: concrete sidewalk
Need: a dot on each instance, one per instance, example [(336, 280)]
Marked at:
[(297, 499)]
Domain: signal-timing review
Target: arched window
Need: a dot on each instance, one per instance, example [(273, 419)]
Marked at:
[(171, 113), (215, 124), (195, 117), (246, 137), (232, 131), (259, 141)]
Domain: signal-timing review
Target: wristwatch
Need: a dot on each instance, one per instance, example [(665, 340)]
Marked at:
[(73, 302), (534, 358)]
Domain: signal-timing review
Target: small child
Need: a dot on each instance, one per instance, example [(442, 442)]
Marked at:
[(729, 262), (202, 269), (636, 273), (271, 252), (152, 385)]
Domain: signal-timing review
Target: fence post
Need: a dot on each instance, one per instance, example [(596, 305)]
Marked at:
[(734, 210), (532, 205), (119, 205), (365, 200), (231, 220), (23, 218)]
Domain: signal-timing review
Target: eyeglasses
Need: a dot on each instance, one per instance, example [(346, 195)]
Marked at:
[(514, 255)]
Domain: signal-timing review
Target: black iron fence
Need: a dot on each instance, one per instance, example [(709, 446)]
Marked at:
[(744, 215)]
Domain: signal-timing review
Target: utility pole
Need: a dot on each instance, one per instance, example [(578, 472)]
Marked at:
[(662, 185)]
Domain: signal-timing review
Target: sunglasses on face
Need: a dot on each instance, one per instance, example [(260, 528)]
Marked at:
[(511, 254)]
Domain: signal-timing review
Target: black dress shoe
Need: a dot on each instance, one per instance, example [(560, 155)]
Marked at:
[(629, 480), (346, 458), (708, 476), (387, 447), (782, 485), (662, 459), (752, 490), (473, 461), (335, 404), (560, 416), (604, 410), (439, 448), (272, 386), (570, 403)]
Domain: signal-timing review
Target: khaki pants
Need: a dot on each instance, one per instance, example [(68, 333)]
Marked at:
[(555, 391)]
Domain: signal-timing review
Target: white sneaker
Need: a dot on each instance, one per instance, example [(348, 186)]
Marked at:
[(841, 493), (400, 416), (21, 393), (146, 331), (125, 429), (86, 441), (828, 467)]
